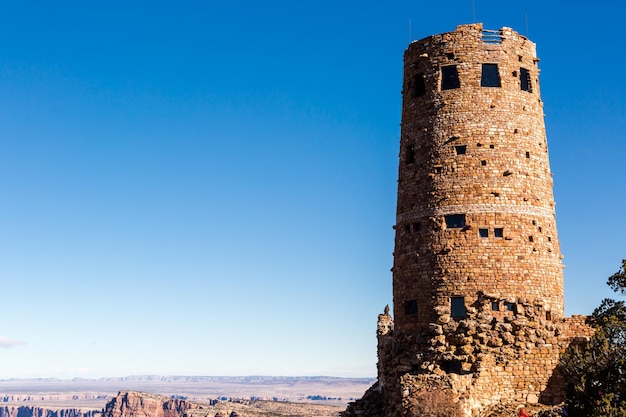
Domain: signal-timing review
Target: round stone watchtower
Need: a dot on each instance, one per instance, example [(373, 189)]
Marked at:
[(475, 213), (477, 275)]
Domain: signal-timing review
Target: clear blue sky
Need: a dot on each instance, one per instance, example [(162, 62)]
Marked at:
[(208, 188)]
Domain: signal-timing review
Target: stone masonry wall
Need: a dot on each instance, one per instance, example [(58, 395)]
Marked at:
[(477, 274), (479, 152)]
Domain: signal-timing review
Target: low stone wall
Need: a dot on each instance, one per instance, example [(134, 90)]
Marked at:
[(479, 361)]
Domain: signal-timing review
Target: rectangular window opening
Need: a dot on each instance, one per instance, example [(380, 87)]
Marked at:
[(490, 76), (483, 162), (416, 227), (483, 232), (418, 85), (457, 307), (449, 77), (524, 80), (455, 221), (410, 154), (407, 229), (527, 154), (495, 306), (460, 149), (410, 307), (498, 232), (510, 307)]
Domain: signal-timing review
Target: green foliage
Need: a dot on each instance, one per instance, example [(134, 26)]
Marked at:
[(617, 281), (595, 371)]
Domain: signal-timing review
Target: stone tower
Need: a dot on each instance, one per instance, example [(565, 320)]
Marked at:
[(477, 272), (475, 209)]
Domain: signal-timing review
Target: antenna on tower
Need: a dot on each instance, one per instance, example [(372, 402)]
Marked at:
[(473, 12), (526, 16)]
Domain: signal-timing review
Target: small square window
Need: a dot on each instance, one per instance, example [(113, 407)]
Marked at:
[(457, 307), (449, 77), (410, 307), (490, 76), (460, 149), (483, 162), (483, 232), (455, 221), (498, 232), (510, 306), (495, 306), (492, 146), (416, 227)]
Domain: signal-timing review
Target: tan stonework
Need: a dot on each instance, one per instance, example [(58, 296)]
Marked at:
[(477, 274)]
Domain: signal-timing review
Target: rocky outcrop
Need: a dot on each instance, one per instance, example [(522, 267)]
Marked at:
[(26, 411), (141, 404)]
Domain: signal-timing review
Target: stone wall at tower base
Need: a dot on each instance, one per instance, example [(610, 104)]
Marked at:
[(470, 366)]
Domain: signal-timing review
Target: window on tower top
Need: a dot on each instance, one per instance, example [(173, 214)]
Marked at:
[(461, 149), (410, 154), (449, 77), (490, 76), (524, 80), (418, 86)]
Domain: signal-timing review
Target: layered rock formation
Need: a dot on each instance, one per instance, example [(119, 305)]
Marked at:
[(141, 404), (25, 411)]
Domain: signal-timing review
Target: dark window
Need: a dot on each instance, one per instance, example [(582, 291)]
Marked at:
[(483, 232), (509, 306), (492, 146), (483, 162), (531, 239), (455, 221), (416, 227), (461, 149), (407, 229), (548, 315), (490, 76), (410, 307), (457, 307), (495, 306), (524, 80), (410, 154), (449, 77), (498, 232), (527, 154), (418, 86)]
